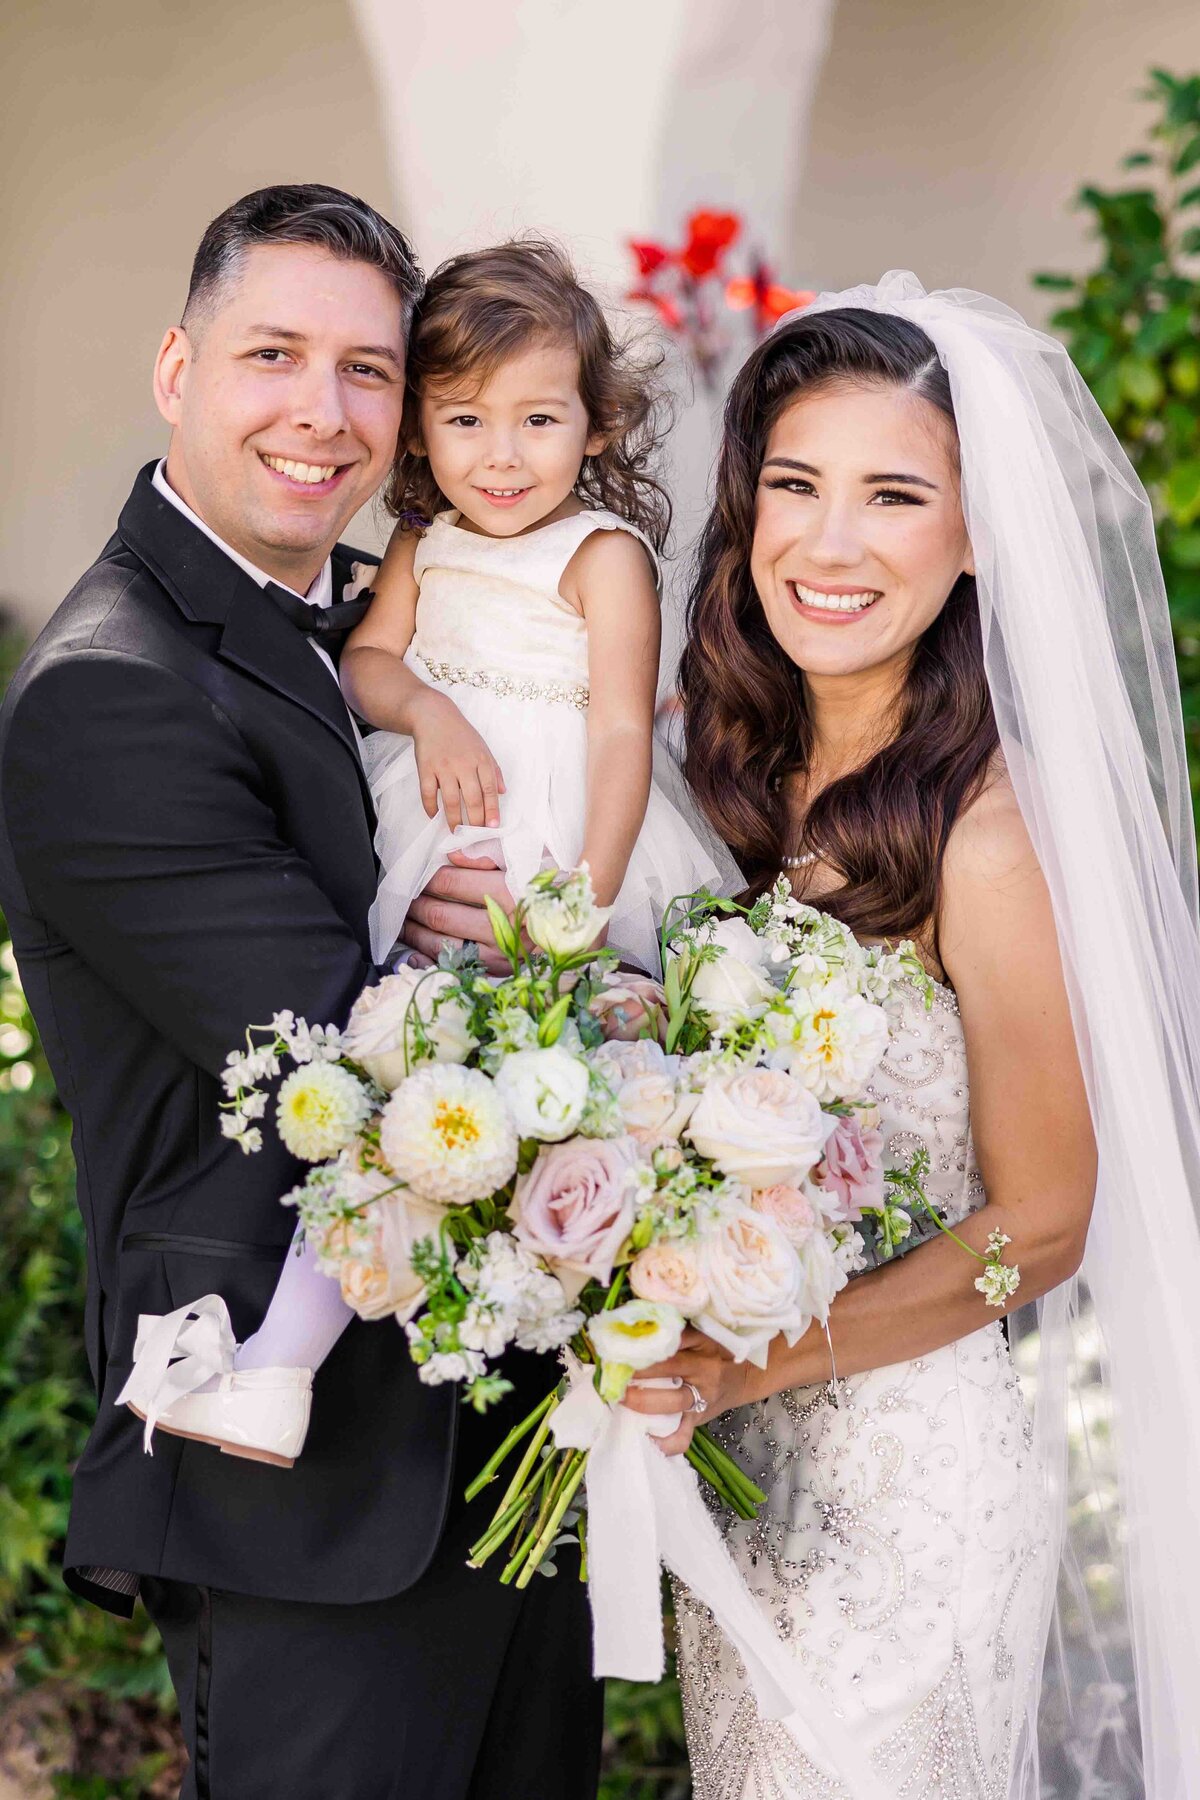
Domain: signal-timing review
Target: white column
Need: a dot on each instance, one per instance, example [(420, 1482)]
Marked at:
[(597, 124)]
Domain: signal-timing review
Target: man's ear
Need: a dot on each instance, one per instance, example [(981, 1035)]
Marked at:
[(171, 367)]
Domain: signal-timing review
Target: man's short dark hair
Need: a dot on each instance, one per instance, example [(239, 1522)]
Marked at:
[(302, 214)]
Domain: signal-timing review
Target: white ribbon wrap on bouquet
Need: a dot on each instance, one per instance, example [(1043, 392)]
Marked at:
[(644, 1510)]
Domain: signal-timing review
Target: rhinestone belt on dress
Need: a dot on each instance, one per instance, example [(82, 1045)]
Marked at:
[(511, 687)]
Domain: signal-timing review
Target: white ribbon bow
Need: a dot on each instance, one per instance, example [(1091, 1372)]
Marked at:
[(175, 1354), (644, 1509)]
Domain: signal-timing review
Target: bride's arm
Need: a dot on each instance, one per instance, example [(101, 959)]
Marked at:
[(1030, 1123)]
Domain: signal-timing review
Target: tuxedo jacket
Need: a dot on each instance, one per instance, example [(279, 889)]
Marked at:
[(185, 849)]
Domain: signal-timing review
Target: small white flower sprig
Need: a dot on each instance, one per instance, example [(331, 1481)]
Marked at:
[(313, 1106)]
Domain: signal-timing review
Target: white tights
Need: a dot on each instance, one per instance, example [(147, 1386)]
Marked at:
[(305, 1319)]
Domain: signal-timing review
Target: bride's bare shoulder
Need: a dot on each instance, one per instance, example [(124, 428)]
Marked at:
[(989, 841)]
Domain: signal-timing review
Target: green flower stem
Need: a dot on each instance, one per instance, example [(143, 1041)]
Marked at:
[(492, 1465), (614, 1292), (717, 1478), (520, 1491), (498, 1530), (545, 1511), (581, 1534), (722, 1459), (574, 1472)]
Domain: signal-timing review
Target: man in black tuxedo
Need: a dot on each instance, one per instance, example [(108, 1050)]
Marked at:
[(186, 848)]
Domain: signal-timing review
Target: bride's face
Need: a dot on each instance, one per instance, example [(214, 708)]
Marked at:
[(859, 533)]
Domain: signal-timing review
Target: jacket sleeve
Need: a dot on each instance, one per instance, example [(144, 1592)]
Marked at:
[(142, 836)]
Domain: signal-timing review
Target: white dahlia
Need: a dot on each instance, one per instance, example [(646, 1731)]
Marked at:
[(446, 1132), (320, 1109)]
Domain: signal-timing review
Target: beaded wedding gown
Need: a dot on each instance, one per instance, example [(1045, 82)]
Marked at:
[(902, 1552)]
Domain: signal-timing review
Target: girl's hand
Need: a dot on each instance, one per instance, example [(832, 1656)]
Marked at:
[(705, 1366), (453, 760)]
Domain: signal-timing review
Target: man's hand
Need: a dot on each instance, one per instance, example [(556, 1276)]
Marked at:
[(705, 1366), (451, 910)]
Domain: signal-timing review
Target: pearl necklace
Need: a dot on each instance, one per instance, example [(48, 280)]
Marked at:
[(802, 862)]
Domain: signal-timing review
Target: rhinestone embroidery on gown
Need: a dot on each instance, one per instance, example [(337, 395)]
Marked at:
[(902, 1550)]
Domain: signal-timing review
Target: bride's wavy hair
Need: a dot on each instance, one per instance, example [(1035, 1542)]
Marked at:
[(485, 306), (883, 827)]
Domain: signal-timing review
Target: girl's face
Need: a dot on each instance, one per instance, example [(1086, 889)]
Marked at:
[(508, 454), (858, 533)]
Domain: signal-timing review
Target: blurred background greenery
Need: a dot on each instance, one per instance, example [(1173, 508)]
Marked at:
[(85, 1706)]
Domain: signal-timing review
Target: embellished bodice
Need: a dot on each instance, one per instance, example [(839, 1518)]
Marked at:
[(490, 613), (921, 1090)]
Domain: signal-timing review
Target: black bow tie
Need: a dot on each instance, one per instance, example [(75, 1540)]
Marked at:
[(328, 624)]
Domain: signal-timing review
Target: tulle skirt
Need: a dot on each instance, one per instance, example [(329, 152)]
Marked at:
[(541, 748)]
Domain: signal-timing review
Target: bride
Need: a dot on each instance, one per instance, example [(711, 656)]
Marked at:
[(929, 673)]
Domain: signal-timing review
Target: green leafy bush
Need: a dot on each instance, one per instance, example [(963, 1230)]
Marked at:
[(1133, 328)]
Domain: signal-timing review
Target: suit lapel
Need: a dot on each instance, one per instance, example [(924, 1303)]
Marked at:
[(210, 589)]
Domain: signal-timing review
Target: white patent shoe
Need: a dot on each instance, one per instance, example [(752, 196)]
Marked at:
[(260, 1414)]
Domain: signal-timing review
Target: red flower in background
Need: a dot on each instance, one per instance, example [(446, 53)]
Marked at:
[(689, 291), (709, 236)]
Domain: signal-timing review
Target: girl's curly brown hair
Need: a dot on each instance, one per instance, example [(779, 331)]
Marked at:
[(485, 306)]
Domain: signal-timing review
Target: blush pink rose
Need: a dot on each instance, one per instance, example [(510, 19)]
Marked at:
[(850, 1173), (629, 1005), (575, 1206), (792, 1211)]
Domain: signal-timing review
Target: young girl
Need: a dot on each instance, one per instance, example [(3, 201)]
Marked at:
[(510, 658), (509, 662)]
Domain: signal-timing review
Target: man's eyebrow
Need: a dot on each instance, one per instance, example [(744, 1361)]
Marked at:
[(788, 462), (287, 336)]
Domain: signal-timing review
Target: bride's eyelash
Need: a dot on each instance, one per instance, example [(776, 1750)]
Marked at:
[(794, 482)]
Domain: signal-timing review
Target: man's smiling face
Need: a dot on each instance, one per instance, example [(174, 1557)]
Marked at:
[(284, 398)]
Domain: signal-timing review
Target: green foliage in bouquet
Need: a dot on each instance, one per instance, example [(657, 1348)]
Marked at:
[(1133, 328)]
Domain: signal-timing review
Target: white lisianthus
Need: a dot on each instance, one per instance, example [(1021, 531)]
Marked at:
[(447, 1133), (643, 1082), (545, 1092), (829, 1038), (734, 983), (633, 1337), (755, 1285), (320, 1109), (410, 1017), (561, 915), (761, 1126)]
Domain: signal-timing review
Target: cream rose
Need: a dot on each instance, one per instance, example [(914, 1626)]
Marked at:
[(733, 982), (755, 1285), (409, 1017), (644, 1084), (545, 1092), (760, 1125), (378, 1279), (669, 1272), (575, 1206)]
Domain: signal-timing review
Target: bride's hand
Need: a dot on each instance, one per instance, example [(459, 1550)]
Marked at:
[(698, 1363), (451, 910)]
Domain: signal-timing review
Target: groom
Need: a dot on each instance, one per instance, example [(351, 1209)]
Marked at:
[(186, 848)]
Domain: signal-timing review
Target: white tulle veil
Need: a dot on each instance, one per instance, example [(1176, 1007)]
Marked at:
[(1081, 666)]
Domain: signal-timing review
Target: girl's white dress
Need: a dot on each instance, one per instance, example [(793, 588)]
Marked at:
[(494, 633), (903, 1551)]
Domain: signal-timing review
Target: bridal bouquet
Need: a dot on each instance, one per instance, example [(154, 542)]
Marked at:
[(579, 1161)]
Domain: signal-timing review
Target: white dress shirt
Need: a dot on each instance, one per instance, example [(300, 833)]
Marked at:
[(319, 594)]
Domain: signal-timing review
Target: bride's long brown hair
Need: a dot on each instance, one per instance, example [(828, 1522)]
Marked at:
[(883, 827)]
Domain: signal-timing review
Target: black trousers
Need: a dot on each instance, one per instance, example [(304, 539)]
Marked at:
[(459, 1689)]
